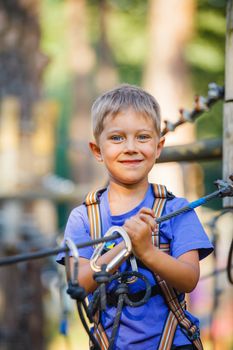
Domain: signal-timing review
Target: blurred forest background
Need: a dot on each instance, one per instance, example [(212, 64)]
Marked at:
[(56, 57)]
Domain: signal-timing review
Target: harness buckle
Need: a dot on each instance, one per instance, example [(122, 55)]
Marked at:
[(121, 255)]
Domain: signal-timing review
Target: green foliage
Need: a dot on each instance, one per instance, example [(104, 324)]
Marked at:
[(126, 35), (205, 55), (54, 42), (214, 4), (130, 73), (212, 171), (209, 125)]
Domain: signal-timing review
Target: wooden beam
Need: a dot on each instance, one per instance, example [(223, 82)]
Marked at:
[(202, 150), (228, 105)]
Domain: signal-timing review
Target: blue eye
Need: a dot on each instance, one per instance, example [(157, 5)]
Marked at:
[(143, 137), (117, 138)]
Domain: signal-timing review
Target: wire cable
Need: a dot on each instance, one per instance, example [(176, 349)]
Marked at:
[(225, 189)]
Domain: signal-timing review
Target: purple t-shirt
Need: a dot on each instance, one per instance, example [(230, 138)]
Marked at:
[(143, 325)]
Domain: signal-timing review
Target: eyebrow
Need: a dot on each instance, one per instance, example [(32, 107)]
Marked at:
[(123, 130)]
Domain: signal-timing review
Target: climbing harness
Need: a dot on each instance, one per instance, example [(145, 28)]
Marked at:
[(225, 189), (176, 314), (120, 296)]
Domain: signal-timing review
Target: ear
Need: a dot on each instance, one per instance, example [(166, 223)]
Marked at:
[(160, 146), (95, 151)]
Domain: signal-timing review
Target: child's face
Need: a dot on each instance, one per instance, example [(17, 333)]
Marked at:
[(128, 146)]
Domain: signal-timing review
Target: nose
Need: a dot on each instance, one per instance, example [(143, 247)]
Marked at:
[(130, 145)]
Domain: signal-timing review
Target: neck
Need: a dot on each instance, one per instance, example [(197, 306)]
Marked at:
[(128, 190), (123, 198)]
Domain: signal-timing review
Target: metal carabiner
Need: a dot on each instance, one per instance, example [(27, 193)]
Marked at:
[(71, 275), (125, 252)]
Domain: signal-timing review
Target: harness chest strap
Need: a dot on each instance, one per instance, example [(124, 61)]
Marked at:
[(176, 315)]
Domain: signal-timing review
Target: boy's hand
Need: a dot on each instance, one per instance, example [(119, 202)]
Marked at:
[(140, 228)]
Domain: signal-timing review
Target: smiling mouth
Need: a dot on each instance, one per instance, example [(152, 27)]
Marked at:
[(131, 162)]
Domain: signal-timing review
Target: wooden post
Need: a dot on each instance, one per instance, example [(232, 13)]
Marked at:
[(228, 106), (9, 143), (45, 115)]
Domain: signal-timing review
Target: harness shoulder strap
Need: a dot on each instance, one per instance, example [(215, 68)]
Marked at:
[(161, 195), (176, 315), (93, 210), (92, 202)]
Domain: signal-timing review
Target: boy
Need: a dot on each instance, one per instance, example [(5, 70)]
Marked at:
[(126, 127)]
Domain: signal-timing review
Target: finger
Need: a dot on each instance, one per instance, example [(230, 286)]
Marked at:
[(132, 223), (147, 211), (134, 220), (148, 220)]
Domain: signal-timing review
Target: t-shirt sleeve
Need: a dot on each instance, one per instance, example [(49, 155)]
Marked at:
[(188, 233), (77, 229)]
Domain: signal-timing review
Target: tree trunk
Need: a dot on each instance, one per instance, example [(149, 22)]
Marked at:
[(19, 36), (166, 77), (106, 75)]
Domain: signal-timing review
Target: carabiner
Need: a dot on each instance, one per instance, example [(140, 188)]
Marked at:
[(72, 275), (125, 252)]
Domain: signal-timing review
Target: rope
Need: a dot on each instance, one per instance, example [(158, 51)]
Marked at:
[(44, 253), (102, 278), (79, 294), (124, 277), (116, 323), (225, 189), (85, 325), (93, 304), (122, 294), (190, 206)]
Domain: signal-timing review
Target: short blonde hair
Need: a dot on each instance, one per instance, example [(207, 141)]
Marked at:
[(121, 98)]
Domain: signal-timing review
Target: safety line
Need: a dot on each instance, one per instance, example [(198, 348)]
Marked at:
[(14, 259), (225, 189)]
